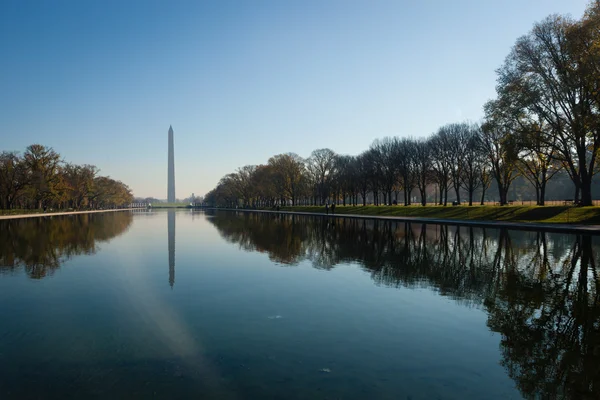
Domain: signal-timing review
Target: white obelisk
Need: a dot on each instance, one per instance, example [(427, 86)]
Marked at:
[(171, 178)]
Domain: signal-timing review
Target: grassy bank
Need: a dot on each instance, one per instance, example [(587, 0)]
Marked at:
[(26, 212), (547, 214), (51, 211)]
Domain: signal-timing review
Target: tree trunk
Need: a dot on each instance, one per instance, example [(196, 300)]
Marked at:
[(503, 195), (501, 192), (586, 193), (543, 193), (457, 190)]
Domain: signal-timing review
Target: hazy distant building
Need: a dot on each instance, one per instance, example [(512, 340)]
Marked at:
[(171, 178)]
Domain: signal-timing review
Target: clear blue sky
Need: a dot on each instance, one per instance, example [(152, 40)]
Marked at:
[(241, 81)]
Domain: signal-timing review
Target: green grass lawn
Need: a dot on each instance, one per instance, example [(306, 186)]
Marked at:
[(20, 212), (48, 211), (35, 211), (546, 214)]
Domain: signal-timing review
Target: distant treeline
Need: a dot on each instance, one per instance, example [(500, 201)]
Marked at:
[(544, 123), (40, 179)]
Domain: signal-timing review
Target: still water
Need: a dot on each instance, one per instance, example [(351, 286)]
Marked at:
[(223, 305)]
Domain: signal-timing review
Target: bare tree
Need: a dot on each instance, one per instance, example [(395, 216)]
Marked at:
[(472, 161), (538, 158), (441, 162), (422, 167), (264, 179), (385, 152), (363, 175), (243, 182), (321, 164), (499, 143), (346, 178), (550, 71), (486, 180), (405, 156), (453, 138), (290, 171), (375, 171)]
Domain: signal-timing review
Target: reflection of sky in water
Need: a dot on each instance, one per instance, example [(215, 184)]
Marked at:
[(113, 317)]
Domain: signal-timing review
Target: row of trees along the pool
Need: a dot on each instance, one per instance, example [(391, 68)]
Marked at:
[(39, 178), (540, 291), (544, 124)]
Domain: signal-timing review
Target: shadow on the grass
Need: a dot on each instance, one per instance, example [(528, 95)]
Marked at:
[(541, 213)]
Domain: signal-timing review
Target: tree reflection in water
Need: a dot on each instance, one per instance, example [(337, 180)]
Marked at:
[(540, 290), (41, 245)]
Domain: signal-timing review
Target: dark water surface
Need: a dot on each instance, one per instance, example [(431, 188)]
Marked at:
[(263, 306)]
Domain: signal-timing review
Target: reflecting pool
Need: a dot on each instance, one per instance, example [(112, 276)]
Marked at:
[(225, 305)]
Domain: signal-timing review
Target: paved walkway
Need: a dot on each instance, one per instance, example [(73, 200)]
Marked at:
[(557, 227), (52, 214)]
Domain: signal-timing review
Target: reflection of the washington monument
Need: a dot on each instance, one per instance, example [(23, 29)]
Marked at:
[(171, 228)]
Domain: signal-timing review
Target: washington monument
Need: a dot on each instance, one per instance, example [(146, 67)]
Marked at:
[(171, 178)]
